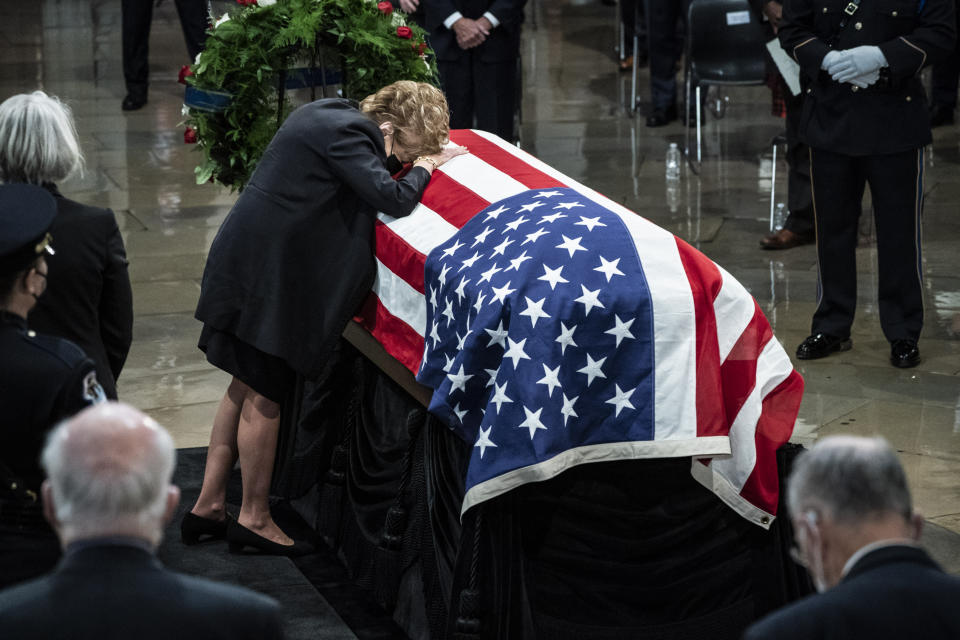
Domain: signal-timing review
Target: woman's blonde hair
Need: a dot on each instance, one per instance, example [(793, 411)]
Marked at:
[(38, 139), (418, 112)]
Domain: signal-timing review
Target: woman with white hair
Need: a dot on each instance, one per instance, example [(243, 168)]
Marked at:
[(88, 298)]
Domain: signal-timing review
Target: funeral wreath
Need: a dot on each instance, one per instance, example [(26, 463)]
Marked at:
[(262, 49)]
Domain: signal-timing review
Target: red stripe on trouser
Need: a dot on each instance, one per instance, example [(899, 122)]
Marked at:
[(396, 336), (501, 159), (705, 283), (399, 257), (777, 417)]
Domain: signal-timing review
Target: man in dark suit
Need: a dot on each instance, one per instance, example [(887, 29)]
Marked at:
[(866, 122), (108, 495), (477, 44), (857, 534)]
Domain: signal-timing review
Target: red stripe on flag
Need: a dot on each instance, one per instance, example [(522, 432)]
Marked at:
[(739, 370), (501, 159), (396, 336), (779, 412), (451, 200), (398, 256), (705, 283)]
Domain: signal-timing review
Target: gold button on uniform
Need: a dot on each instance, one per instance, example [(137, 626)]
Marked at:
[(909, 98), (824, 9), (893, 13), (854, 88), (858, 26)]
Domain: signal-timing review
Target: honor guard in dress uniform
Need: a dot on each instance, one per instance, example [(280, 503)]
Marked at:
[(42, 380), (865, 120)]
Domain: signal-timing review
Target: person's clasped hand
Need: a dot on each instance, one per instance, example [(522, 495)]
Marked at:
[(471, 33), (854, 63)]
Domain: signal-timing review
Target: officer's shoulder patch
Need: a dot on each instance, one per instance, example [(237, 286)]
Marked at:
[(92, 391)]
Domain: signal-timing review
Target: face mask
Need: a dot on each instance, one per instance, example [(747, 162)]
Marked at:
[(393, 164)]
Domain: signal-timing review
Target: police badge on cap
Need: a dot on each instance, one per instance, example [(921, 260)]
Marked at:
[(26, 213)]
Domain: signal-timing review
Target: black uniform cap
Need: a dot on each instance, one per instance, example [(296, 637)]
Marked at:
[(26, 213)]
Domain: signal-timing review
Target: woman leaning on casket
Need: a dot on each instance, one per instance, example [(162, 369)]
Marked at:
[(287, 270)]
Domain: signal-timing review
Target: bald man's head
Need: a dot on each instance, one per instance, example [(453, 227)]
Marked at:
[(108, 473)]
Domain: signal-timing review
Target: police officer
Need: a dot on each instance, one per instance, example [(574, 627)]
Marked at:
[(42, 380), (865, 120)]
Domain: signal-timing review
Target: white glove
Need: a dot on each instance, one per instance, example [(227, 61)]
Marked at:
[(866, 79), (829, 59), (856, 62)]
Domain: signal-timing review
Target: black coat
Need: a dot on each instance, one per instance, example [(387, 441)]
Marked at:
[(294, 258), (88, 298), (117, 591), (42, 380), (502, 45), (893, 592), (889, 116)]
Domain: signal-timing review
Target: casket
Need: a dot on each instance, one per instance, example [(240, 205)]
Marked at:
[(605, 440)]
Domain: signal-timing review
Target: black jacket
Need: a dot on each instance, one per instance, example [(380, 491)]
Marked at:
[(88, 298), (119, 591), (890, 116), (293, 260), (42, 380), (502, 45), (893, 593)]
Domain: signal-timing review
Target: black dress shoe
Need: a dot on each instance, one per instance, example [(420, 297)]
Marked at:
[(820, 345), (133, 102), (194, 527), (904, 354), (662, 117), (784, 239), (239, 537), (941, 114)]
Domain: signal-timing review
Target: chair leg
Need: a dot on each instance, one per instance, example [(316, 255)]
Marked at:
[(634, 73), (699, 157), (773, 185)]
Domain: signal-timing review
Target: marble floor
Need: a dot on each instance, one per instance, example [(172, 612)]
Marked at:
[(575, 117)]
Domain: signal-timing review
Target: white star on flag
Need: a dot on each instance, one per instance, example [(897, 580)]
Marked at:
[(468, 263), (500, 395), (452, 249), (495, 213), (550, 378), (497, 336), (549, 194), (459, 380), (534, 310), (501, 294), (516, 353), (479, 302), (433, 297), (566, 337), (589, 299), (552, 276), (492, 373), (500, 248), (489, 273), (533, 237), (592, 370), (449, 363), (532, 421), (590, 223), (512, 226), (461, 342), (568, 205), (459, 290), (481, 237), (516, 262), (448, 311), (567, 410), (460, 412), (484, 441), (621, 399), (531, 206), (570, 244), (621, 329), (433, 334), (608, 268), (553, 217), (442, 278)]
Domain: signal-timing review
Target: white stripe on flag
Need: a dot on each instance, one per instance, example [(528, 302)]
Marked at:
[(734, 309), (423, 229), (489, 183), (773, 367), (400, 299)]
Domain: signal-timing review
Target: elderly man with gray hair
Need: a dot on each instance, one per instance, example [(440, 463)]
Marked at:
[(857, 533), (108, 495)]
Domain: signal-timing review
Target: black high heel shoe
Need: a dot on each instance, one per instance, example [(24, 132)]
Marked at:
[(193, 527), (239, 537)]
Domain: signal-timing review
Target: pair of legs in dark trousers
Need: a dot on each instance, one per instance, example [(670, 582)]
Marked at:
[(799, 198), (665, 29), (896, 186), (482, 90), (137, 15)]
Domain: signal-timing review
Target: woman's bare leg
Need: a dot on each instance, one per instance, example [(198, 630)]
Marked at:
[(222, 453), (257, 445)]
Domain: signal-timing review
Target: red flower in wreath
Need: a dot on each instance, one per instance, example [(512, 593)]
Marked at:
[(189, 136), (385, 8), (419, 48), (405, 32), (246, 2), (185, 73)]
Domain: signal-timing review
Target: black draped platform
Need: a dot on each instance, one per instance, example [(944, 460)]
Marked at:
[(628, 549)]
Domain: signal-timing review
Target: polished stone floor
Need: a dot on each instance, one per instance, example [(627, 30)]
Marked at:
[(574, 118)]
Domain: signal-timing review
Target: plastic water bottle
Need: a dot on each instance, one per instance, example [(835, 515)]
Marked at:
[(779, 217), (673, 162)]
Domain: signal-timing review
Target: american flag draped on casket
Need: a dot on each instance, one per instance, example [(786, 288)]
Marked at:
[(558, 328)]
